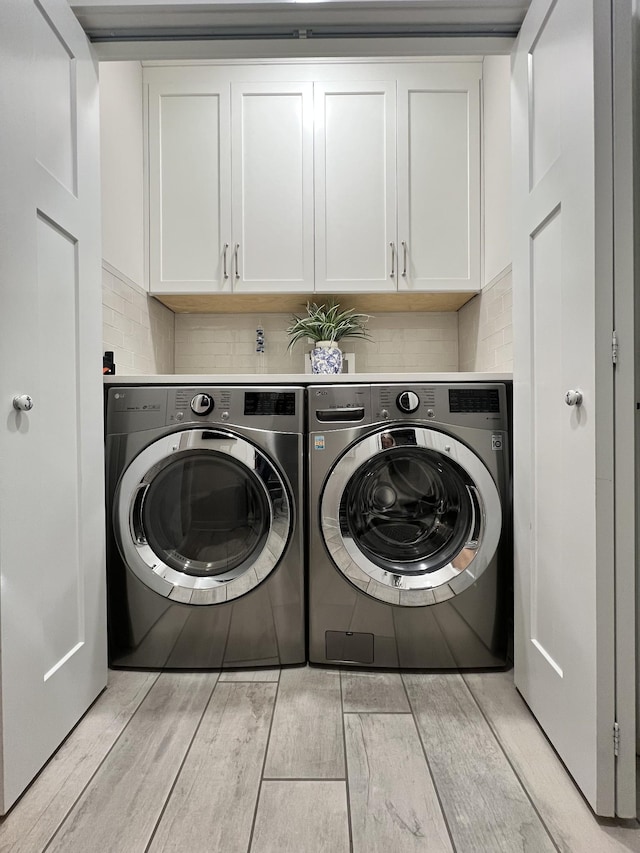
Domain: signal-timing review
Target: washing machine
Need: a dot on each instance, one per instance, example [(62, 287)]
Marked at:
[(205, 526), (410, 555)]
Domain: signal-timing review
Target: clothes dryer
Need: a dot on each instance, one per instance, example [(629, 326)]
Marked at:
[(205, 545), (409, 558)]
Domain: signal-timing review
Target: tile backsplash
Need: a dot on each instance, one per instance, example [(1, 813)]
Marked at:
[(138, 328), (148, 338), (485, 328), (226, 343)]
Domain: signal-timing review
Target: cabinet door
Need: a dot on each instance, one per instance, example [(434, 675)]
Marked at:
[(189, 184), (355, 186), (439, 179), (272, 192)]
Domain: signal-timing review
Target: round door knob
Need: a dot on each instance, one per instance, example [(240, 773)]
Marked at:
[(408, 401), (23, 403), (202, 404), (573, 398)]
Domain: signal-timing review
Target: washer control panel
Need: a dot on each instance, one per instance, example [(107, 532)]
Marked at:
[(478, 404), (474, 400), (473, 404), (400, 401)]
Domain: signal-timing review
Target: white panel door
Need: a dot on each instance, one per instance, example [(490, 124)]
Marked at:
[(565, 656), (355, 186), (439, 179), (52, 600), (189, 178), (272, 191)]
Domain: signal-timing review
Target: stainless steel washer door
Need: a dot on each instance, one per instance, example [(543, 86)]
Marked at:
[(411, 516), (202, 516)]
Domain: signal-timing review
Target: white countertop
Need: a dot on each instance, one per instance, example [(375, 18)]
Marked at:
[(302, 378)]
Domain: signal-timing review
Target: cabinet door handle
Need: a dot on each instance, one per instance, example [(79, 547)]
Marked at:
[(393, 259), (404, 259), (225, 274), (236, 248)]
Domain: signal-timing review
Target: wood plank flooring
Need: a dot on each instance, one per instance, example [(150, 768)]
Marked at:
[(308, 761)]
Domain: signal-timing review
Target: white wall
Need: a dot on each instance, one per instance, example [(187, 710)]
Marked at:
[(497, 165), (121, 143)]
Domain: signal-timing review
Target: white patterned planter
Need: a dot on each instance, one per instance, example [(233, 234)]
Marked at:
[(326, 357)]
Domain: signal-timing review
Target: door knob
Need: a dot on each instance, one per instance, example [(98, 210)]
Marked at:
[(573, 398), (23, 403)]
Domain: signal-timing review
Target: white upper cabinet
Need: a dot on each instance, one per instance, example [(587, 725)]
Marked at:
[(189, 183), (230, 183), (272, 192), (355, 186), (439, 178), (333, 177), (397, 180)]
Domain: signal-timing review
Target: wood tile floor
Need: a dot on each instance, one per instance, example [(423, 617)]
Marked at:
[(307, 760)]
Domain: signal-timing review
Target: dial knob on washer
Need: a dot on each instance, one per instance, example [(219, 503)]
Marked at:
[(408, 401), (202, 404)]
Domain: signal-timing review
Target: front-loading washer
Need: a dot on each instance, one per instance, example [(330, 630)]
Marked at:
[(205, 526), (409, 543)]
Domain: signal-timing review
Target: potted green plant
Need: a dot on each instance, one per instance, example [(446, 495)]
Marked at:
[(325, 325)]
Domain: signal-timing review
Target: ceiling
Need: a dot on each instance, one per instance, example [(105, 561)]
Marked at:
[(160, 20)]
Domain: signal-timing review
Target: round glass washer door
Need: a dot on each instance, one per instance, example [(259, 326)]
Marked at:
[(202, 516), (411, 516)]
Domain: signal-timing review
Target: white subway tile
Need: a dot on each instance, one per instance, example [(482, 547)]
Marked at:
[(504, 354), (132, 313), (496, 340), (142, 363), (112, 337), (113, 300), (123, 358)]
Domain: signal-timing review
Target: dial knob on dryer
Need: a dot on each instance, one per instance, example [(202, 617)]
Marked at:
[(408, 401), (202, 404)]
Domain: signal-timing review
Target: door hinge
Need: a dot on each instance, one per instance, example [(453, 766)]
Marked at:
[(614, 347), (616, 739)]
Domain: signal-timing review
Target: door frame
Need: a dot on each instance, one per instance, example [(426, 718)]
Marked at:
[(626, 197)]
